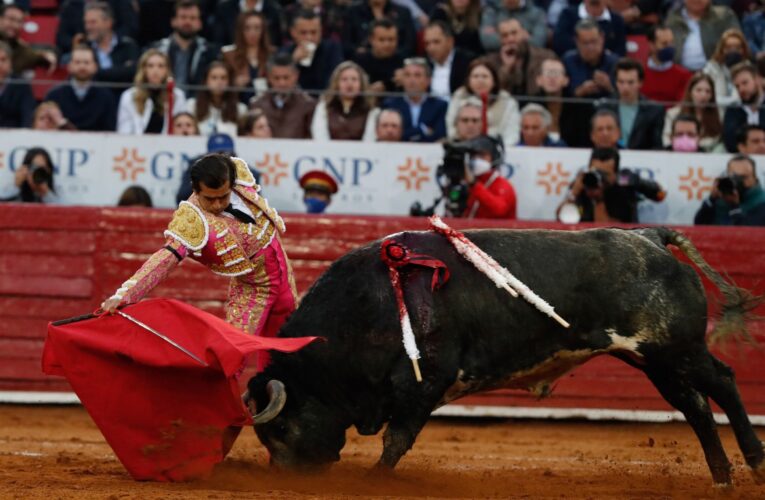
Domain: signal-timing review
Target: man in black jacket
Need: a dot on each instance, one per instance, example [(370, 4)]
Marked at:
[(737, 199), (189, 53), (750, 111), (361, 14), (16, 101), (71, 21), (641, 121), (449, 64), (315, 57)]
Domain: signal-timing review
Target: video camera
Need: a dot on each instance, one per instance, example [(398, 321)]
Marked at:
[(40, 175), (450, 174), (729, 184), (626, 178)]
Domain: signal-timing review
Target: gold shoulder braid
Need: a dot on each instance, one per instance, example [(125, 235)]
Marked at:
[(189, 226), (243, 174)]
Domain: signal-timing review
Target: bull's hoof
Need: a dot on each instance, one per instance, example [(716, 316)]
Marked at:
[(722, 489)]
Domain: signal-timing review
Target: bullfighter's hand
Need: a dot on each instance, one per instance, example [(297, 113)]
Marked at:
[(111, 304)]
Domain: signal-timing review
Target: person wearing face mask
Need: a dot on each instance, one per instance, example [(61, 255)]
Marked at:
[(606, 193), (664, 80), (490, 195), (731, 50), (318, 188), (685, 135), (736, 199)]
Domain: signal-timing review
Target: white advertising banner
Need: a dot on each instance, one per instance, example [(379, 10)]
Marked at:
[(374, 178)]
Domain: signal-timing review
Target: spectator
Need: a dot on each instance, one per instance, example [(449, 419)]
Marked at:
[(345, 112), (143, 107), (331, 13), (502, 114), (48, 116), (423, 116), (665, 81), (490, 195), (551, 84), (24, 57), (116, 54), (381, 62), (686, 131), (135, 196), (528, 15), (751, 140), (604, 193), (33, 180), (249, 55), (639, 15), (255, 125), (589, 66), (316, 57), (519, 63), (389, 126), (468, 122), (189, 53), (697, 26), (86, 107), (604, 129), (217, 107), (731, 50), (227, 12), (360, 16), (589, 69), (16, 101), (449, 65), (641, 121), (318, 188), (750, 111), (698, 101), (71, 17), (535, 128), (753, 26), (464, 19), (611, 26), (289, 110), (184, 123), (736, 199)]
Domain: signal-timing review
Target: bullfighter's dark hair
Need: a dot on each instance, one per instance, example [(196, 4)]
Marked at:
[(213, 170), (629, 64), (606, 154)]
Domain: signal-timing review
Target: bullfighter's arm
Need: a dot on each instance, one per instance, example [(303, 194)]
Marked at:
[(152, 272)]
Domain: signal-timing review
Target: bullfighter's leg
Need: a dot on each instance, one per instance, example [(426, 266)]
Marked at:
[(673, 385), (718, 381)]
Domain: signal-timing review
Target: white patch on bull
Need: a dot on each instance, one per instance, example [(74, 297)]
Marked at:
[(630, 344)]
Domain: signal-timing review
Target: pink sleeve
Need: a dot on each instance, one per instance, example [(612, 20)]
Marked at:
[(152, 272)]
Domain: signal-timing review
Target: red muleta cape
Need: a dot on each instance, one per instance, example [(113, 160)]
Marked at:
[(162, 412)]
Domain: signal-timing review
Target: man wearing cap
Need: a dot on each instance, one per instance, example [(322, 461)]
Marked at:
[(490, 196), (227, 226), (318, 188)]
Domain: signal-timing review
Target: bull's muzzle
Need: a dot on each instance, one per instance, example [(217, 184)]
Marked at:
[(277, 397)]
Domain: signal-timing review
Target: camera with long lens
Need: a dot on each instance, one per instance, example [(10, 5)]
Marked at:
[(593, 179), (450, 175), (40, 175), (730, 184)]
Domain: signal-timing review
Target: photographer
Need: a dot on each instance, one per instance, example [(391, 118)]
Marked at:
[(736, 199), (489, 195), (604, 193), (33, 181)]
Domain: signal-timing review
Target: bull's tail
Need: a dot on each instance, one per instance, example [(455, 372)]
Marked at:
[(737, 304)]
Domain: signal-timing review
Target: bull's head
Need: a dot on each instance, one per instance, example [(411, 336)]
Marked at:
[(297, 429)]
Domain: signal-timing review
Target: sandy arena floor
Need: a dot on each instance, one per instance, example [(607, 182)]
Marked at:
[(56, 452)]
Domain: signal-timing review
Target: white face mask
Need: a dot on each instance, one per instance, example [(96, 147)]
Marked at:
[(480, 166)]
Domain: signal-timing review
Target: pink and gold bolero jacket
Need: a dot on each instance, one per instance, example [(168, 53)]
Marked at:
[(223, 244)]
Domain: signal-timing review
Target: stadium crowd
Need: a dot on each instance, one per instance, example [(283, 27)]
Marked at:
[(537, 72)]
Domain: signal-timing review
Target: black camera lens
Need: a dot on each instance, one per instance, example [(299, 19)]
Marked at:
[(726, 185), (40, 175), (592, 179)]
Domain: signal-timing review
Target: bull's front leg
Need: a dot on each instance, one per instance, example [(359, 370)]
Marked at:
[(399, 437)]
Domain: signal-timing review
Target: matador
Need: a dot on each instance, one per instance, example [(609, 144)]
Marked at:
[(230, 228)]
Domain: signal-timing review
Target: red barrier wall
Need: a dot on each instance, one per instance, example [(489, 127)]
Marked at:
[(57, 262)]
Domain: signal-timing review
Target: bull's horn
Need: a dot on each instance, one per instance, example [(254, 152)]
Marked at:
[(277, 397)]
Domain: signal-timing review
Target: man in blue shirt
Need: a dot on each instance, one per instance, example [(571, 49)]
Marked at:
[(590, 64)]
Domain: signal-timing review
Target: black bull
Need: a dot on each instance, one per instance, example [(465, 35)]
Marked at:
[(623, 292)]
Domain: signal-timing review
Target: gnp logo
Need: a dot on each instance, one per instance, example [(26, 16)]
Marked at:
[(128, 164), (272, 169), (554, 178), (347, 171), (66, 161), (695, 184), (413, 173)]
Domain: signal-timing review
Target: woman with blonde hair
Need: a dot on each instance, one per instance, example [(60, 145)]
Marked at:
[(731, 49), (345, 112), (502, 114), (143, 107), (699, 101), (250, 52)]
